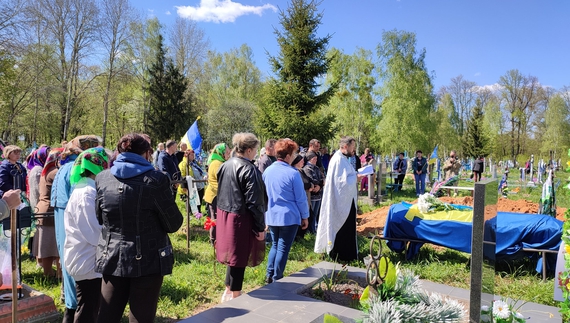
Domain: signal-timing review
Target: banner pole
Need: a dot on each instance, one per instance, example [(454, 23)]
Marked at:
[(14, 246)]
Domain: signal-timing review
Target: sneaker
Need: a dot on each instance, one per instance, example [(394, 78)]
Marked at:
[(268, 280)]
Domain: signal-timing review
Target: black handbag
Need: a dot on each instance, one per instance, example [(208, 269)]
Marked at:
[(23, 220)]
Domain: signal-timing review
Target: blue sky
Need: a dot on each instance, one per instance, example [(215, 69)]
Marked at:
[(480, 39)]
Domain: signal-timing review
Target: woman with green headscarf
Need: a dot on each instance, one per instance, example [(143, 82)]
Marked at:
[(219, 155), (82, 232)]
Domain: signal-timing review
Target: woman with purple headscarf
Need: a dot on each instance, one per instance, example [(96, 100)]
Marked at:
[(45, 247), (35, 166)]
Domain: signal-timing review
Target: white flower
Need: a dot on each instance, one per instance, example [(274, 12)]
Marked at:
[(423, 207), (501, 310), (519, 315), (484, 308)]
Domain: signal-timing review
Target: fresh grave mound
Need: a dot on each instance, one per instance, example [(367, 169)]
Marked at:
[(506, 205), (373, 222)]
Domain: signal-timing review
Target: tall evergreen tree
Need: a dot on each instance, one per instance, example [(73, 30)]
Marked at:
[(475, 141), (169, 114), (292, 100)]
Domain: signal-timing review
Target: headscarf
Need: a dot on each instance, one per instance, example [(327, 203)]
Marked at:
[(52, 160), (217, 153), (78, 145), (39, 157), (296, 160), (94, 160)]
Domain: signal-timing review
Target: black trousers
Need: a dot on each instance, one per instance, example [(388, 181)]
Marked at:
[(212, 208), (88, 297), (234, 278), (140, 292), (398, 181)]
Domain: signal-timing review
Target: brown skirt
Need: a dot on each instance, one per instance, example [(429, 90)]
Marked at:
[(44, 244), (236, 243)]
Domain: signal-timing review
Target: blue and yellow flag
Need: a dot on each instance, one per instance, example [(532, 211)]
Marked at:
[(433, 156), (192, 138)]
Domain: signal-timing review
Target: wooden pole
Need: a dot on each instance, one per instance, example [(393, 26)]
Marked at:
[(14, 247), (188, 221)]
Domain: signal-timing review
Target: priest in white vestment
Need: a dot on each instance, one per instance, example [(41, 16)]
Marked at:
[(336, 232)]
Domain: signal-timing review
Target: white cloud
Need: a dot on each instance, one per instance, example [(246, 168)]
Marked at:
[(489, 87), (220, 11), (168, 13)]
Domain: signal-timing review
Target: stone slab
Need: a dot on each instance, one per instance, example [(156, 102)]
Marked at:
[(280, 302), (34, 307)]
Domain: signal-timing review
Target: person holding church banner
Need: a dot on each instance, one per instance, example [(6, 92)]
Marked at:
[(336, 233), (399, 167)]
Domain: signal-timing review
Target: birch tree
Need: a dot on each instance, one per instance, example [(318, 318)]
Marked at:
[(116, 17)]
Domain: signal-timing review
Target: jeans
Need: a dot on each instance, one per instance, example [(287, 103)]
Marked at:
[(420, 183), (282, 240), (314, 220)]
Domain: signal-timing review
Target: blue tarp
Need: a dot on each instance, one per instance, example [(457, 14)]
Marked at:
[(510, 231)]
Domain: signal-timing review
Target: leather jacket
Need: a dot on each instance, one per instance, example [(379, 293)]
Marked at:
[(137, 213), (241, 189)]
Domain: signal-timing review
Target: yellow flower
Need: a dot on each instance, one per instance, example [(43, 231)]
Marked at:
[(330, 243), (567, 248)]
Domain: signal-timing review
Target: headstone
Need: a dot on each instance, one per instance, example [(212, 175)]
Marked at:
[(482, 264), (381, 182)]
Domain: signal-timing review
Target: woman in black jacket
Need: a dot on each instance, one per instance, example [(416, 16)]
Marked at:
[(240, 223), (136, 207)]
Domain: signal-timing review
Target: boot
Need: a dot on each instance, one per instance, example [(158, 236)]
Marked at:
[(68, 315)]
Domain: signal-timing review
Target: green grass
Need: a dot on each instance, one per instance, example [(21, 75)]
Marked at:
[(197, 280)]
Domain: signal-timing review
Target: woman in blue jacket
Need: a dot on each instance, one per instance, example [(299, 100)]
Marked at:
[(11, 169), (419, 165), (287, 206)]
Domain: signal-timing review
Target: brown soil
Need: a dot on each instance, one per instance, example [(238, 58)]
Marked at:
[(344, 293), (373, 222)]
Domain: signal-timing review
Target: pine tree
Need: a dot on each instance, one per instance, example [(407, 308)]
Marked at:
[(169, 113), (292, 102), (475, 141)]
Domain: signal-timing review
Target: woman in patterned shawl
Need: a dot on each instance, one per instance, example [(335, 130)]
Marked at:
[(44, 244)]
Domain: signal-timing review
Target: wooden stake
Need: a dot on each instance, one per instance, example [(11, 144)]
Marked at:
[(14, 246)]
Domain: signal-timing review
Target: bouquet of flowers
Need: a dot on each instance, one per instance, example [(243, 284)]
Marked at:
[(209, 223), (428, 202), (501, 312)]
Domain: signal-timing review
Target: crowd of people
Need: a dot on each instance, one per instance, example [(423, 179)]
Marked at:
[(103, 217)]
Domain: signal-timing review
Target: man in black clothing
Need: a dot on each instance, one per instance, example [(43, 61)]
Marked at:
[(180, 153), (167, 162), (269, 157), (399, 167), (315, 147)]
